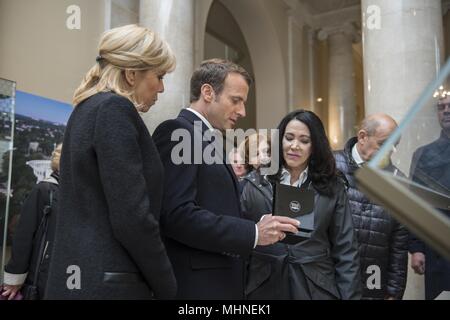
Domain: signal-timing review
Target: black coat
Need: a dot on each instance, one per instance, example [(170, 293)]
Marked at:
[(430, 167), (383, 241), (324, 267), (30, 232), (206, 236), (109, 206)]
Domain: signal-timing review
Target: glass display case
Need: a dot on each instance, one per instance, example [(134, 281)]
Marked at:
[(7, 104), (410, 174)]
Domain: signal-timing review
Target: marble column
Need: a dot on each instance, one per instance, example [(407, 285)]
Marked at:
[(342, 102), (402, 53), (174, 21)]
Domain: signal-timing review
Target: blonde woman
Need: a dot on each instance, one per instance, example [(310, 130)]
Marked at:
[(107, 241), (255, 150)]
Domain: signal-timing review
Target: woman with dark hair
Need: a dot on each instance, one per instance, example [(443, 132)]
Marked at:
[(325, 266)]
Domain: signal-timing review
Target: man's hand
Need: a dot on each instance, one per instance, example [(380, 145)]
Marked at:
[(271, 229), (10, 291), (418, 262)]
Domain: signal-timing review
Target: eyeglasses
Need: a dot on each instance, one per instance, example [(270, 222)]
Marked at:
[(442, 106)]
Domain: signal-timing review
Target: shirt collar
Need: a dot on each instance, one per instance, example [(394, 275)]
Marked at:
[(356, 156), (206, 122), (286, 178)]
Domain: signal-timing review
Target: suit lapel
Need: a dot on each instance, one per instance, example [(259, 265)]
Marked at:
[(192, 117)]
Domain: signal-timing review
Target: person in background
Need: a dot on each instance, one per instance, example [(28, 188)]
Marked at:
[(237, 163), (325, 266), (23, 267), (255, 150), (430, 167), (383, 241)]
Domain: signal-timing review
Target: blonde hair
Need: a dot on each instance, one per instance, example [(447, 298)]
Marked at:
[(130, 47), (56, 156)]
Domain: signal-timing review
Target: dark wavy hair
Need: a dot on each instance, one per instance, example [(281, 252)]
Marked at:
[(321, 166)]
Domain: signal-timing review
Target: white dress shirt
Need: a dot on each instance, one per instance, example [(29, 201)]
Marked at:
[(356, 156), (286, 178)]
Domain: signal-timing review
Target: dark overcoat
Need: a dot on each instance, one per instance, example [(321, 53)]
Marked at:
[(107, 229), (30, 234), (383, 241)]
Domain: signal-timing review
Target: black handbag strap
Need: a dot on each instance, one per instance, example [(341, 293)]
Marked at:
[(42, 245)]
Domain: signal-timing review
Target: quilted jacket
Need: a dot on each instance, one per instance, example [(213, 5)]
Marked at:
[(383, 242)]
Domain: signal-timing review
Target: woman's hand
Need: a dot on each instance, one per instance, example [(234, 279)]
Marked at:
[(10, 291)]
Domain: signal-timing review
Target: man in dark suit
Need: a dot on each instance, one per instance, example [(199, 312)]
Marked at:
[(430, 167), (107, 243), (207, 238)]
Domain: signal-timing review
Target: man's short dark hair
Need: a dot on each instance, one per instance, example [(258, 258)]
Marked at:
[(214, 73)]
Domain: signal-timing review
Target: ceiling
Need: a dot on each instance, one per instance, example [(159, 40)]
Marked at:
[(323, 6)]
